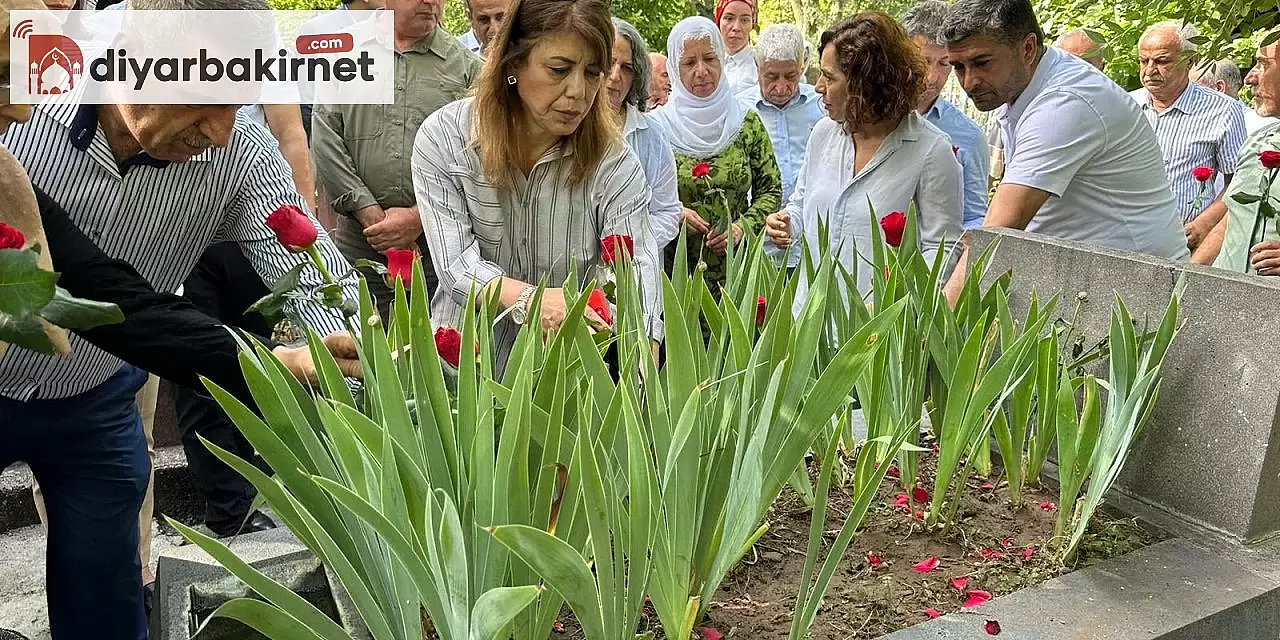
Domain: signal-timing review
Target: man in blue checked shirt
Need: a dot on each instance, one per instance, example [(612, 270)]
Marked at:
[(788, 106), (924, 24)]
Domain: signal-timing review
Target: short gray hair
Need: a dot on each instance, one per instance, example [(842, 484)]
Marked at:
[(1007, 21), (1185, 31), (638, 95), (927, 20), (782, 43), (1224, 71)]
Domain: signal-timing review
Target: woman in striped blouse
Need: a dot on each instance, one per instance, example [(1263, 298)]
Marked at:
[(519, 184)]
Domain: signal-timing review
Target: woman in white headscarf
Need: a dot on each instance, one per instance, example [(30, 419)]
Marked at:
[(729, 178)]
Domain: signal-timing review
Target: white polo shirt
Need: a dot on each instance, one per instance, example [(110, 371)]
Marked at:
[(1077, 135)]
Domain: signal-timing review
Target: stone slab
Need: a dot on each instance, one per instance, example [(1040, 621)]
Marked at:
[(187, 578), (1173, 590), (1210, 452)]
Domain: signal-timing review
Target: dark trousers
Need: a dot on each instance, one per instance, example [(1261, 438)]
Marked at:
[(223, 285), (89, 455)]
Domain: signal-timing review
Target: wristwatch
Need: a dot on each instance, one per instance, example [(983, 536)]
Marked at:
[(520, 309)]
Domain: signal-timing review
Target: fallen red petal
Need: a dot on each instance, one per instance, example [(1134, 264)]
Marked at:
[(711, 634), (919, 515), (991, 554), (992, 627), (1006, 542), (932, 613), (959, 583), (926, 565), (873, 559), (893, 472), (1028, 552), (901, 501), (557, 626), (1048, 506), (988, 487), (920, 494), (977, 598)]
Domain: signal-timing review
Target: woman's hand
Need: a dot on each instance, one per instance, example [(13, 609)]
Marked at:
[(719, 243), (777, 227), (693, 223), (553, 311)]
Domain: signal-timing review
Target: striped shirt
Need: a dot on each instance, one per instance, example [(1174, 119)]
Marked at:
[(159, 217), (540, 229), (1202, 128)]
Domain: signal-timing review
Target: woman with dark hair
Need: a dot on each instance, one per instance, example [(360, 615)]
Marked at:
[(729, 178), (628, 93), (518, 185), (874, 150)]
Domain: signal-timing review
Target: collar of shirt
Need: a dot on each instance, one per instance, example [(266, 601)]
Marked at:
[(1044, 69), (754, 97), (82, 126), (747, 53), (635, 121), (1186, 103)]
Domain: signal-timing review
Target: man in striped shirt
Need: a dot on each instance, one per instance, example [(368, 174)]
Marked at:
[(1196, 127), (152, 185)]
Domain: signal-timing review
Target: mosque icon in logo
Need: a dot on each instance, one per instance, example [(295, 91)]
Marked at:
[(56, 64)]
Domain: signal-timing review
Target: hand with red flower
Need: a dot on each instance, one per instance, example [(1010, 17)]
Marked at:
[(400, 266), (893, 225), (719, 242), (693, 223), (11, 238), (293, 228)]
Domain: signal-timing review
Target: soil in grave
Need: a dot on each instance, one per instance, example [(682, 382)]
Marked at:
[(993, 547)]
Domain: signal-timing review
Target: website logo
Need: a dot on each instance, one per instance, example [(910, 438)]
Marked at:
[(56, 64), (125, 56)]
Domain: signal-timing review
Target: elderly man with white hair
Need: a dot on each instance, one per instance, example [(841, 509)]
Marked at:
[(1196, 127), (787, 105), (1224, 76)]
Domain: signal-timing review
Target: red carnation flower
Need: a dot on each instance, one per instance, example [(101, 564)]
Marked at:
[(600, 304), (701, 170), (11, 238), (293, 227), (400, 266), (893, 225), (611, 248), (1202, 174), (449, 344)]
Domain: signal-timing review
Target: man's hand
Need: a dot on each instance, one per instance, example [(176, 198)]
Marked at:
[(369, 216), (343, 347), (777, 227), (399, 230), (694, 222), (719, 243), (1265, 258), (1195, 233)]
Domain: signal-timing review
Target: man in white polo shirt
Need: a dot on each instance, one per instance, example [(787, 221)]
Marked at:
[(1081, 163)]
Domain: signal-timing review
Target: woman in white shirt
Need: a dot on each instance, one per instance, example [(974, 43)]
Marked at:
[(519, 184), (628, 93), (873, 149)]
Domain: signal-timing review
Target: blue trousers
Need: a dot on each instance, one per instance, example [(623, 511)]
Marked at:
[(89, 455)]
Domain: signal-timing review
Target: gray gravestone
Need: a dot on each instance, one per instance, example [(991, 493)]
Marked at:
[(191, 585), (1210, 454)]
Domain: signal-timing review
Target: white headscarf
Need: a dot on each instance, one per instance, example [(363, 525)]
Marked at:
[(698, 127)]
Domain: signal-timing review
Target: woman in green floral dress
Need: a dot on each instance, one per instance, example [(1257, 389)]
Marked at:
[(729, 178)]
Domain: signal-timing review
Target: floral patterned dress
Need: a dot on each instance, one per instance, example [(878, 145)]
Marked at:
[(747, 172)]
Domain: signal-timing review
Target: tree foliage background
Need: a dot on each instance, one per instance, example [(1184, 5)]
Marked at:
[(1232, 28)]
